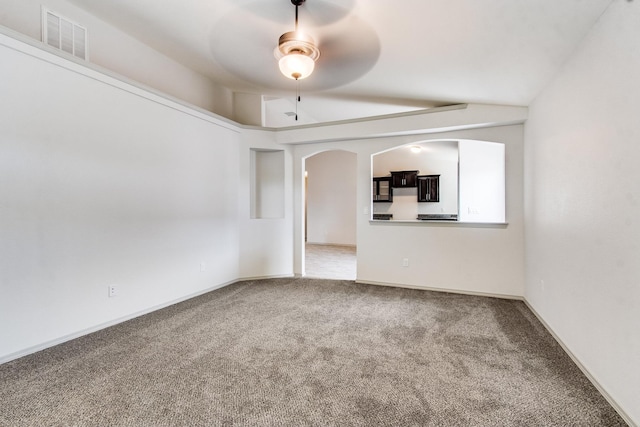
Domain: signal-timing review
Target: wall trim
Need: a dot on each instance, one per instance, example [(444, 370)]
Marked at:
[(275, 276), (445, 290), (584, 370), (342, 245), (575, 360), (36, 49), (69, 337), (43, 346), (423, 122), (420, 112)]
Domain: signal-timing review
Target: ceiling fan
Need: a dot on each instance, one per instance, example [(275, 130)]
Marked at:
[(242, 43), (296, 52)]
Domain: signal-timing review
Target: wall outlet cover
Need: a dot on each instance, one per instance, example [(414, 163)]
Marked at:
[(113, 291)]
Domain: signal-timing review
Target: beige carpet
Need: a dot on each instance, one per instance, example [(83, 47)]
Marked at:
[(302, 352)]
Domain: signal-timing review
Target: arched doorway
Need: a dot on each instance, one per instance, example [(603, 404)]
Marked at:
[(330, 215)]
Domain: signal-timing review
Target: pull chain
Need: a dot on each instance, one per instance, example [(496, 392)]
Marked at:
[(297, 81), (297, 97)]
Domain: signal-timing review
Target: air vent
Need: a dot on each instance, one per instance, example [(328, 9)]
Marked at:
[(290, 113), (63, 34)]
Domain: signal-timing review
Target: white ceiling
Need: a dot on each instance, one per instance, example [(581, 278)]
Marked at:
[(377, 56)]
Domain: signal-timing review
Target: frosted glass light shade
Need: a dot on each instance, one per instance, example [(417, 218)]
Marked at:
[(296, 66)]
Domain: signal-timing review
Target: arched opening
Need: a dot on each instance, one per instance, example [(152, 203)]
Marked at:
[(330, 205), (440, 180)]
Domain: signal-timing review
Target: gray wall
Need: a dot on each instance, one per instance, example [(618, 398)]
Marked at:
[(331, 198), (104, 183), (117, 51), (461, 257), (583, 204)]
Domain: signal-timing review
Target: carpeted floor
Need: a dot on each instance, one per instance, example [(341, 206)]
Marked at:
[(309, 352)]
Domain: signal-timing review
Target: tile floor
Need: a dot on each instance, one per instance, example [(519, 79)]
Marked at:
[(330, 261)]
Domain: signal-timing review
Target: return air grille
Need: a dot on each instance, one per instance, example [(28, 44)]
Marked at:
[(63, 34)]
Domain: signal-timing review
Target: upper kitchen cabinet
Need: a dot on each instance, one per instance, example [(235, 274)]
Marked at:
[(428, 188), (404, 179), (381, 190), (436, 159)]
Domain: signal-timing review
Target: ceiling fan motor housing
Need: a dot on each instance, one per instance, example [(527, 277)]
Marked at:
[(296, 52), (297, 42)]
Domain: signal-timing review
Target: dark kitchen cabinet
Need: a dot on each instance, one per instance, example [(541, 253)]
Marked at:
[(404, 179), (428, 188), (381, 190)]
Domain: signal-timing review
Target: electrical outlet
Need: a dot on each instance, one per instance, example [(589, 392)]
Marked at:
[(405, 262), (113, 291), (203, 266)]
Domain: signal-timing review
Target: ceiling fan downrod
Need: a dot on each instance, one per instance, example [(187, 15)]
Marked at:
[(296, 52), (297, 3)]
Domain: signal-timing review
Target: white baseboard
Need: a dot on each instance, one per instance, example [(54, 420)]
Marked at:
[(83, 332), (584, 370), (96, 328), (276, 276), (344, 245), (450, 291), (47, 344)]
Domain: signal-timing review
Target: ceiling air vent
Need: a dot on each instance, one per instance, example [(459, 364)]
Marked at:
[(63, 34)]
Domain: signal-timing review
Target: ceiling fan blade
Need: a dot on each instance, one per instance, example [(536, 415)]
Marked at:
[(348, 51), (312, 13), (318, 13), (243, 44)]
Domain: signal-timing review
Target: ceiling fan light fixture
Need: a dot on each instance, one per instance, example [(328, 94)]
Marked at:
[(296, 66), (296, 52)]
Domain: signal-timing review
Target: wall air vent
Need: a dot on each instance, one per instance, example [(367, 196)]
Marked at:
[(63, 34)]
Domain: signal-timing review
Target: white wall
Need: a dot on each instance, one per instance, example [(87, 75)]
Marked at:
[(482, 181), (266, 244), (583, 205), (248, 108), (331, 198), (116, 51), (101, 184), (466, 258), (267, 184)]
